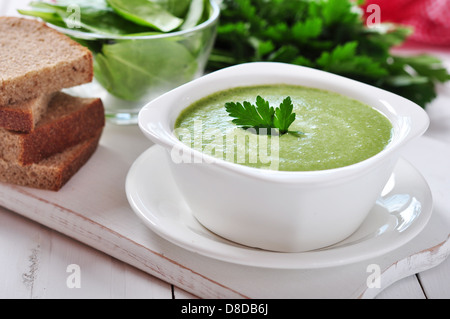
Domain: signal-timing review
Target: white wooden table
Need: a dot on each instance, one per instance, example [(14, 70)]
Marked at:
[(37, 261)]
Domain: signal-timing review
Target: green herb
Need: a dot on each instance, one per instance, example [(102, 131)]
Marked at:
[(325, 34), (146, 13), (95, 16), (284, 116), (263, 116), (194, 15), (125, 69)]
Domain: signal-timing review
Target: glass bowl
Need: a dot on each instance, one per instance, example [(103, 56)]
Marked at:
[(129, 71)]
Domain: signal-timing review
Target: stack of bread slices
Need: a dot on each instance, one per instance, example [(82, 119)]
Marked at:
[(46, 135)]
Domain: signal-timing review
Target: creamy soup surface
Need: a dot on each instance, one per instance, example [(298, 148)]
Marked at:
[(336, 130)]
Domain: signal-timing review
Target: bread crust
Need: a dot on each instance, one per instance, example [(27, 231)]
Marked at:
[(45, 137), (23, 116), (68, 121), (36, 59), (54, 172)]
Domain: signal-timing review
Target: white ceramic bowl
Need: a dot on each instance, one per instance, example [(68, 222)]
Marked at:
[(275, 210)]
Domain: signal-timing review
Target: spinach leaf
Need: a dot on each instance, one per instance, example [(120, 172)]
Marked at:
[(176, 7), (95, 16), (194, 15), (146, 13), (128, 68), (47, 15)]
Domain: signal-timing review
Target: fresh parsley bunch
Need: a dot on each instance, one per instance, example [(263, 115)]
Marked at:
[(325, 34)]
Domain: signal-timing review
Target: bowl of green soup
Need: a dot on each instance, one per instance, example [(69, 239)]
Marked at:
[(281, 157)]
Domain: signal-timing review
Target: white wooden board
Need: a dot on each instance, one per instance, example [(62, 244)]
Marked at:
[(93, 209)]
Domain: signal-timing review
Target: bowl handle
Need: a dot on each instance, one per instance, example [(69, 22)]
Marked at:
[(412, 119)]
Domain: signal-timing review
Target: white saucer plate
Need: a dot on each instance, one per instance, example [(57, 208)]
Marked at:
[(401, 212)]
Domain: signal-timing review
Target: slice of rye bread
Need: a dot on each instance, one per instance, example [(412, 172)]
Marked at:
[(54, 172), (36, 59), (23, 116), (68, 121)]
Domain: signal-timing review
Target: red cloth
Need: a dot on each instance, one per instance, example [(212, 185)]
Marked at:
[(429, 18)]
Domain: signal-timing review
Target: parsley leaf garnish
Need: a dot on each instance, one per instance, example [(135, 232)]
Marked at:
[(262, 115), (284, 116)]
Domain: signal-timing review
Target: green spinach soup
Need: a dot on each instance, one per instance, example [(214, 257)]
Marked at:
[(329, 131)]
